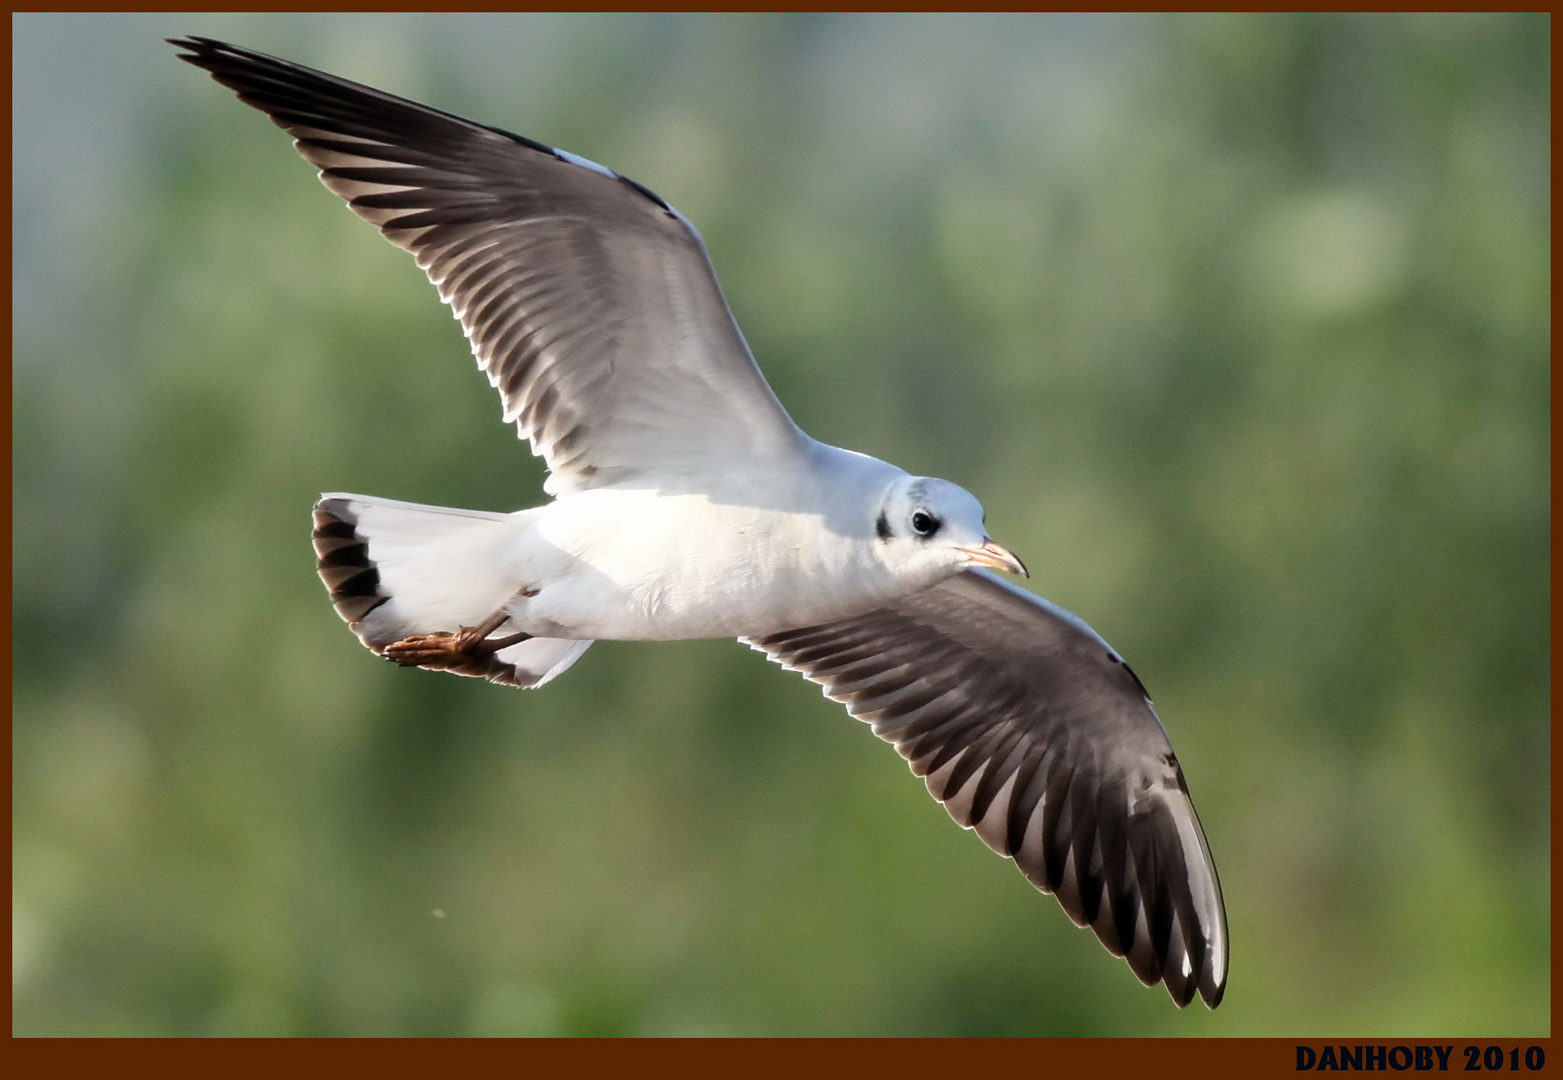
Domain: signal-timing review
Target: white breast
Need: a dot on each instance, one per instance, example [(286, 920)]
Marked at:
[(639, 564)]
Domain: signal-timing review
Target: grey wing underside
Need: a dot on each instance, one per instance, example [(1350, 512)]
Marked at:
[(1033, 732), (589, 302)]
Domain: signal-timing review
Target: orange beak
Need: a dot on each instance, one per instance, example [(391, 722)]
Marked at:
[(996, 557)]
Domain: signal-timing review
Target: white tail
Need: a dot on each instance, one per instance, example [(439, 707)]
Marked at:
[(395, 569)]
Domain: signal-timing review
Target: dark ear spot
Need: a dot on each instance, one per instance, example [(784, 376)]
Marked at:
[(882, 526)]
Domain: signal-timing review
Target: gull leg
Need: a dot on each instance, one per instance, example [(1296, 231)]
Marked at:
[(447, 650)]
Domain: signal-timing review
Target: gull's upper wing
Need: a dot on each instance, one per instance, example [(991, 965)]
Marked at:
[(1034, 732), (589, 302)]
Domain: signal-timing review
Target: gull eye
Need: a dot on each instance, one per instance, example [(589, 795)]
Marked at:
[(924, 523)]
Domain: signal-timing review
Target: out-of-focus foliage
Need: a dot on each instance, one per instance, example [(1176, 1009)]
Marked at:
[(1239, 326)]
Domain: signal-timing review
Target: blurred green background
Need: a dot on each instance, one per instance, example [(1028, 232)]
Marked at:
[(1239, 327)]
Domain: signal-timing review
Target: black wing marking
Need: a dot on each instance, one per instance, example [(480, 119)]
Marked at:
[(1033, 732)]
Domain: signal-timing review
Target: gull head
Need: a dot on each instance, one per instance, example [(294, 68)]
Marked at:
[(929, 529)]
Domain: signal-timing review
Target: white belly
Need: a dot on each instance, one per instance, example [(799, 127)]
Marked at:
[(638, 565)]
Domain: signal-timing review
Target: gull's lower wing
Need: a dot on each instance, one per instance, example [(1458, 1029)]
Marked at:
[(589, 302), (1034, 732)]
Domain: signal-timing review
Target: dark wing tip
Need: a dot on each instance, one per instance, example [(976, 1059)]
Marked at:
[(1126, 874), (247, 72), (205, 52), (1213, 992)]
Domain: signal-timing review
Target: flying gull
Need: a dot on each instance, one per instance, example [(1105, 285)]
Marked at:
[(687, 504)]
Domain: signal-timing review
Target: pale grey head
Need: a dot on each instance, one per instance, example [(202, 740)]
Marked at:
[(928, 529)]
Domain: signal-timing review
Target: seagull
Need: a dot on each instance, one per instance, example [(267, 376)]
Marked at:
[(688, 504)]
